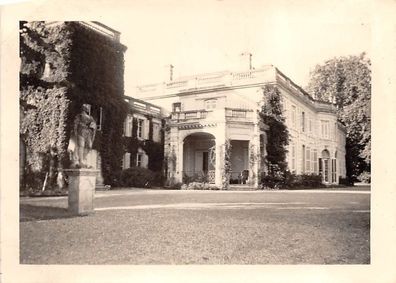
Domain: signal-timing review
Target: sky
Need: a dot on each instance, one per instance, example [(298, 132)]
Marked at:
[(208, 36)]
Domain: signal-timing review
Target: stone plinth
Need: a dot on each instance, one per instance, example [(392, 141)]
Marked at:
[(81, 190)]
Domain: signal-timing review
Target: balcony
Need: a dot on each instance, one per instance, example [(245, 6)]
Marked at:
[(238, 115), (193, 115), (225, 114)]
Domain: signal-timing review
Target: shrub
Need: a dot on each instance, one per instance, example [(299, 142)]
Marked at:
[(311, 180), (272, 181), (137, 177), (198, 186), (365, 177), (197, 177), (289, 180), (345, 181), (172, 184)]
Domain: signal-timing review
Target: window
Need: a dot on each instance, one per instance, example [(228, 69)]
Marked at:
[(176, 107), (139, 160), (315, 161), (310, 126), (293, 116), (303, 160), (293, 158), (99, 117), (303, 121), (128, 126), (96, 112), (334, 170), (156, 132), (126, 162), (210, 104), (308, 160), (140, 128), (335, 131), (325, 128)]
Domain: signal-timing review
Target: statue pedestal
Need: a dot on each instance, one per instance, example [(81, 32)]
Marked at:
[(81, 190)]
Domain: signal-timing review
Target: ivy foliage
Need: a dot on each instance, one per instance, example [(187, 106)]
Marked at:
[(62, 67), (346, 81), (271, 114), (154, 150)]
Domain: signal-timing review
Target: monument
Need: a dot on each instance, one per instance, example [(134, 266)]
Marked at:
[(81, 176)]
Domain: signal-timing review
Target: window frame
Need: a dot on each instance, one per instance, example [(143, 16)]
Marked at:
[(139, 159), (140, 128), (294, 116)]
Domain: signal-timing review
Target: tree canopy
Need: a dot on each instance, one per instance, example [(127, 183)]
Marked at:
[(346, 81)]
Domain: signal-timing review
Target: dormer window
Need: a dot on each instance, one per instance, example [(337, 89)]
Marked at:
[(210, 104)]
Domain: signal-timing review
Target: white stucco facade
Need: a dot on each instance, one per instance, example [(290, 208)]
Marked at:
[(209, 109)]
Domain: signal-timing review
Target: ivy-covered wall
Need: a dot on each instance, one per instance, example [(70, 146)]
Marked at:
[(154, 150), (62, 67)]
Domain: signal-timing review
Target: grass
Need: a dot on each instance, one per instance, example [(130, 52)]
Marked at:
[(228, 228)]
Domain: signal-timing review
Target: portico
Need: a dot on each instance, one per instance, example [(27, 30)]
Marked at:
[(201, 144)]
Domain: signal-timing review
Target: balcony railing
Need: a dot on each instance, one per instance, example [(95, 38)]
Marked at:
[(231, 114), (209, 80), (189, 115), (237, 114)]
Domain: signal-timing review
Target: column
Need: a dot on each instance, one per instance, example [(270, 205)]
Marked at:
[(254, 154), (219, 164), (173, 156), (179, 161), (220, 152), (254, 161)]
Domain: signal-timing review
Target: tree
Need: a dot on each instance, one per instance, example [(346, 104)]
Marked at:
[(277, 135), (346, 81)]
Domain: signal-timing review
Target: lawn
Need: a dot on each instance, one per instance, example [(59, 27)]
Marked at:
[(175, 227)]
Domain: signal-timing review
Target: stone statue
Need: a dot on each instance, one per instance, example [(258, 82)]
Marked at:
[(84, 132)]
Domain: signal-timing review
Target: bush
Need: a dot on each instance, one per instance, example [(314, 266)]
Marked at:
[(345, 181), (272, 181), (198, 186), (137, 177), (197, 177), (309, 181), (288, 180), (365, 177), (172, 184)]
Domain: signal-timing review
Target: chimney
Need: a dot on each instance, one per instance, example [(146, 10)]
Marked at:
[(168, 72), (245, 61)]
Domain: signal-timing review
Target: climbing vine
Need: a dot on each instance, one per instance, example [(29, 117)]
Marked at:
[(226, 169), (277, 135), (62, 67)]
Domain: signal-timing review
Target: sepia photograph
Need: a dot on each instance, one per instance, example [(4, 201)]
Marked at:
[(193, 135)]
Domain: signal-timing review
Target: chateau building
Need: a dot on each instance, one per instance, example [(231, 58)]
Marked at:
[(214, 123)]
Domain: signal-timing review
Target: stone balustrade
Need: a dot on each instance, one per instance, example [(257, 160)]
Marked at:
[(207, 81), (231, 114)]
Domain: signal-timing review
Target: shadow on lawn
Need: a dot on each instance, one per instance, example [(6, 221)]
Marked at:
[(28, 212)]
